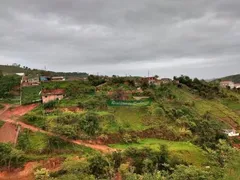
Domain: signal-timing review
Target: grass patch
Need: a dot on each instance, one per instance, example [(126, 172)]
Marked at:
[(234, 105), (13, 100), (130, 118), (232, 170), (217, 109), (183, 150), (40, 146), (31, 94)]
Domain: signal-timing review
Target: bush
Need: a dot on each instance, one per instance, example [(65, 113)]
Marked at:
[(99, 166), (10, 157), (127, 139), (89, 124), (69, 131), (41, 174), (36, 120), (50, 105)]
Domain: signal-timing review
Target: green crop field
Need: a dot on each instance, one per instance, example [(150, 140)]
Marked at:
[(184, 150), (31, 94)]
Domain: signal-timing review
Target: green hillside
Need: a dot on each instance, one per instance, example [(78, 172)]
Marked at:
[(234, 78), (179, 134), (12, 69)]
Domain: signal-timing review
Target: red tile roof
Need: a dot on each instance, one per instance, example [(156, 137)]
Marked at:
[(53, 92)]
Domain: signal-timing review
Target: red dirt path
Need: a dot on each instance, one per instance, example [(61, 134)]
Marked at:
[(8, 133), (11, 115)]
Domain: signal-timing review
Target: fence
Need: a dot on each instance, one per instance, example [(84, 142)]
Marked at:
[(146, 102)]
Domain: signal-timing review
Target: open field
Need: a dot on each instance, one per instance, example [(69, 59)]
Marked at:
[(183, 150), (31, 94)]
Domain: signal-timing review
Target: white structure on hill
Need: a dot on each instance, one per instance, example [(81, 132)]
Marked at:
[(225, 84)]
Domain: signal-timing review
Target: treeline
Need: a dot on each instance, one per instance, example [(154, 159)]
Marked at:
[(7, 84), (201, 87), (17, 68), (142, 164)]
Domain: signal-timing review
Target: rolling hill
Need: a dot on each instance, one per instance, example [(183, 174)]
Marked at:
[(234, 78), (12, 69)]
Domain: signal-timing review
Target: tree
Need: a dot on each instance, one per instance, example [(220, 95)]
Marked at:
[(163, 157), (190, 173), (89, 123), (10, 157), (99, 166)]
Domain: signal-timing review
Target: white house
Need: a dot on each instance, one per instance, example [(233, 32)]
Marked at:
[(231, 133), (237, 85), (225, 84)]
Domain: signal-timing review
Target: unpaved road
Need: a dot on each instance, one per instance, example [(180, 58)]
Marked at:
[(11, 115)]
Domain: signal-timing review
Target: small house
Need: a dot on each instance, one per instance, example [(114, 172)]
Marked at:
[(237, 85), (231, 132), (44, 78), (58, 78), (30, 80), (225, 84), (52, 95)]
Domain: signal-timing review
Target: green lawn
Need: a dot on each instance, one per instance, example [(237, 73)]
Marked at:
[(31, 94), (183, 150), (38, 147), (130, 118), (217, 109), (232, 170), (234, 105)]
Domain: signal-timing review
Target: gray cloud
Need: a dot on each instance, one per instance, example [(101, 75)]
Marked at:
[(199, 38)]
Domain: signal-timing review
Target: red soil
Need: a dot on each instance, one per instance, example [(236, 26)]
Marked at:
[(53, 165), (8, 133), (7, 116), (18, 111), (10, 116)]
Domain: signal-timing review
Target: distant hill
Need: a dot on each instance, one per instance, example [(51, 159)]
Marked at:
[(12, 69), (234, 78)]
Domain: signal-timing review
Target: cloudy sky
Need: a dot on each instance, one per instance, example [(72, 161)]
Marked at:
[(199, 38)]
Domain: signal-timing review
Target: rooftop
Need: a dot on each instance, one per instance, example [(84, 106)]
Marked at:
[(53, 92)]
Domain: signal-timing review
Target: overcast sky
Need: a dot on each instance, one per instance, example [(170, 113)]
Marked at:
[(199, 38)]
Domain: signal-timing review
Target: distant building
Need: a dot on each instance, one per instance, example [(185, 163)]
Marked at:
[(30, 80), (58, 78), (20, 74), (44, 78), (237, 85), (231, 132), (52, 95), (225, 84), (150, 80)]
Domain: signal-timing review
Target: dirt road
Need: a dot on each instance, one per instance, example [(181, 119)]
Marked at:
[(12, 115)]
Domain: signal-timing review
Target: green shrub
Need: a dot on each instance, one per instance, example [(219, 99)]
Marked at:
[(10, 157), (89, 124), (127, 139), (50, 105), (36, 120)]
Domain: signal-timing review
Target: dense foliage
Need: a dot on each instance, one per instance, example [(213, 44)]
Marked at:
[(201, 87), (7, 84), (10, 157)]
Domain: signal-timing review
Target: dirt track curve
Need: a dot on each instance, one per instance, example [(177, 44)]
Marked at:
[(12, 115)]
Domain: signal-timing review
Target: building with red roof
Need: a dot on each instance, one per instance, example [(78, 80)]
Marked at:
[(52, 95)]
